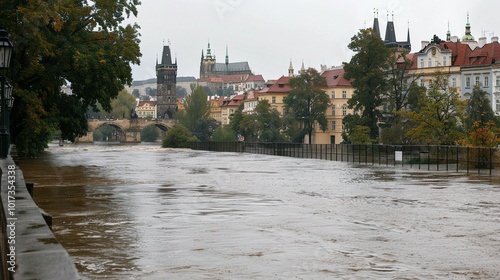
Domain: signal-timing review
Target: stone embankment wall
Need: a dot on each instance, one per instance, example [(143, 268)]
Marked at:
[(29, 249)]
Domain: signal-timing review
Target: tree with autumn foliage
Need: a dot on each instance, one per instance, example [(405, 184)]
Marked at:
[(82, 44), (438, 118)]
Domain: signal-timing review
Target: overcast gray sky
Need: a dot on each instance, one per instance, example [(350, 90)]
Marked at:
[(270, 33)]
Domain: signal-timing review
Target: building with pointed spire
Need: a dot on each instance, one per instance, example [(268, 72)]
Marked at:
[(290, 69), (166, 82), (390, 34), (209, 67)]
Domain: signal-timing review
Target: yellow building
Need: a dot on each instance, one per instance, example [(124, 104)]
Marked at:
[(215, 109), (275, 92), (146, 109), (340, 90)]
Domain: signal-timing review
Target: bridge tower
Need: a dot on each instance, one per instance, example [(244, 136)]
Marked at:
[(166, 79)]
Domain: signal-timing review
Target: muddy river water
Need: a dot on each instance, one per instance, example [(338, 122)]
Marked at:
[(142, 212)]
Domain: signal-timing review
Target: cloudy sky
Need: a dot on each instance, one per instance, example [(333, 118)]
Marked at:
[(270, 33)]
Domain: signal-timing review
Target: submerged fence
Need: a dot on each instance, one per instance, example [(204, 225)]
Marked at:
[(482, 160)]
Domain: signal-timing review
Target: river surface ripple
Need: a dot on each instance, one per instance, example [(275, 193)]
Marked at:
[(142, 212)]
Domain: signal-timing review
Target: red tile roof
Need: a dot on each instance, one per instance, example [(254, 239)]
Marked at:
[(488, 54), (280, 86), (335, 78), (143, 102)]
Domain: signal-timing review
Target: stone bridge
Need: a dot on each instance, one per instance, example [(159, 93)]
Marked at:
[(130, 129)]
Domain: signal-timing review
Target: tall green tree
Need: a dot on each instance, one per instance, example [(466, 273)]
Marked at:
[(438, 119), (269, 122), (367, 72), (479, 109), (307, 101), (82, 44), (197, 107)]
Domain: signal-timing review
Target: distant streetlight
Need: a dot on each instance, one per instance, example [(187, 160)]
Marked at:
[(6, 93)]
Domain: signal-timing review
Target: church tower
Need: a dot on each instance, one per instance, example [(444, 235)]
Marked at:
[(166, 79), (207, 63)]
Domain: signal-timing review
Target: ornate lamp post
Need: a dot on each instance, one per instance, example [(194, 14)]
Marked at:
[(6, 92)]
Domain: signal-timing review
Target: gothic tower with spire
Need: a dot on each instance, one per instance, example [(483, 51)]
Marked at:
[(166, 79), (390, 33), (207, 63)]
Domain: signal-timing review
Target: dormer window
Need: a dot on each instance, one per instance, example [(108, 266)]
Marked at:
[(281, 85)]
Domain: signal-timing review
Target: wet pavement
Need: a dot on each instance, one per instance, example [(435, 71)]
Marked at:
[(142, 212)]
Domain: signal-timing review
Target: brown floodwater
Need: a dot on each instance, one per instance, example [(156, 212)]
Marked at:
[(142, 212)]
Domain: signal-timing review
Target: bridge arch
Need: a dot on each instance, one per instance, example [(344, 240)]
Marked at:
[(121, 134)]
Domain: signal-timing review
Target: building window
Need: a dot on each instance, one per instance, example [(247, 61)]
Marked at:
[(344, 110), (429, 62), (333, 125), (444, 61), (344, 94), (436, 62), (498, 81), (333, 110), (333, 94), (476, 81), (467, 82), (454, 82), (422, 83), (421, 63), (273, 100), (498, 105), (486, 81)]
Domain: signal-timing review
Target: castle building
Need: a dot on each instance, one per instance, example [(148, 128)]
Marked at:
[(166, 79), (209, 67)]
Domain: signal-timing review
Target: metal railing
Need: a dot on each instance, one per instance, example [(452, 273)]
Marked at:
[(482, 160)]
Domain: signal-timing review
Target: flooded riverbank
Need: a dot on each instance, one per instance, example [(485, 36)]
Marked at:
[(142, 212)]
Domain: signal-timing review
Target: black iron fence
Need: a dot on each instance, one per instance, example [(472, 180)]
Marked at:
[(426, 157)]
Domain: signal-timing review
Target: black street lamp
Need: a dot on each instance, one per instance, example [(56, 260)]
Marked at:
[(6, 91)]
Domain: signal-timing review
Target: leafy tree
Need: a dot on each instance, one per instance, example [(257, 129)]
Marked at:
[(438, 117), (367, 72), (181, 92), (479, 111), (360, 135), (197, 108), (223, 134), (150, 134), (291, 128), (204, 128), (136, 93), (483, 135), (269, 122), (350, 122), (178, 137), (235, 120), (307, 101), (151, 91), (121, 107), (400, 84), (83, 44)]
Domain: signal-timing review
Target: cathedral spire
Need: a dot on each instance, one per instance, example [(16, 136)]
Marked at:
[(227, 57), (290, 69), (448, 33), (376, 27), (209, 51), (468, 36)]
